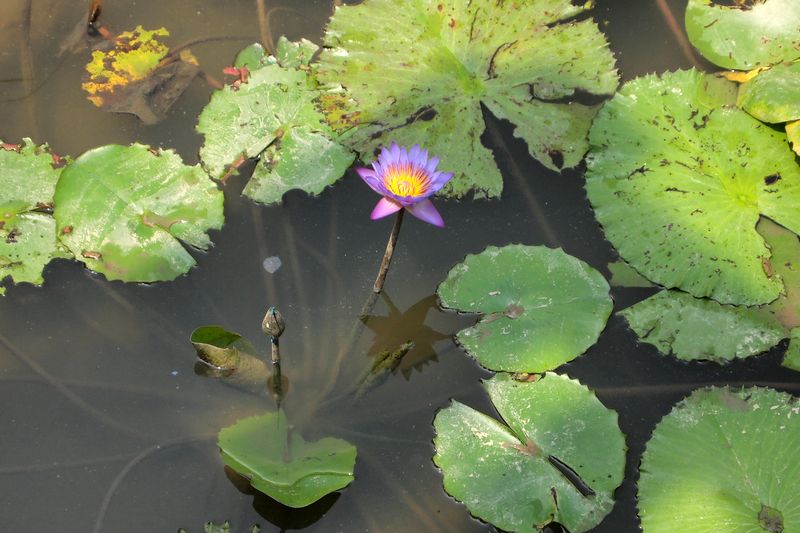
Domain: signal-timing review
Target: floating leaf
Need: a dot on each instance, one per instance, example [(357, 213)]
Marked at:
[(541, 306), (418, 73), (785, 262), (746, 35), (677, 323), (792, 357), (138, 75), (678, 178), (219, 347), (793, 134), (559, 458), (281, 464), (774, 94), (273, 115), (28, 176), (724, 460), (624, 275), (122, 209)]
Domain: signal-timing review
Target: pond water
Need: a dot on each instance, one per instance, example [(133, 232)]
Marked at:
[(106, 425)]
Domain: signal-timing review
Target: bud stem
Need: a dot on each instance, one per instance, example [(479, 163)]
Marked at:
[(387, 256)]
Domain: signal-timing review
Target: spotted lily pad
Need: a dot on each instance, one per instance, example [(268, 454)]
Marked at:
[(123, 209), (279, 463), (688, 327), (678, 178), (724, 460), (774, 94), (540, 306), (749, 34), (272, 115), (793, 134), (419, 72), (557, 456), (28, 176)]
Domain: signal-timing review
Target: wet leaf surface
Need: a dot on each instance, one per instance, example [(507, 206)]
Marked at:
[(678, 178), (122, 210), (540, 306), (272, 115), (774, 94), (724, 460), (746, 36), (420, 73), (279, 463), (792, 357), (512, 474), (28, 176)]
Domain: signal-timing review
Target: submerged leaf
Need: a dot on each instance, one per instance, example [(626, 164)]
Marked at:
[(677, 323), (279, 463), (123, 209), (541, 306), (28, 176), (559, 458), (724, 460), (774, 95), (678, 178), (744, 36), (419, 73), (272, 115)]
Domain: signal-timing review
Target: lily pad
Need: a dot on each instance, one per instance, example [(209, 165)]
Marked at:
[(122, 209), (624, 275), (793, 134), (281, 464), (418, 73), (272, 115), (137, 74), (792, 357), (558, 457), (688, 327), (678, 178), (28, 176), (541, 306), (746, 35), (724, 460), (774, 94), (220, 348)]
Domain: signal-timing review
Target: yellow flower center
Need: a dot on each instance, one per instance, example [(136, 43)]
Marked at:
[(406, 180)]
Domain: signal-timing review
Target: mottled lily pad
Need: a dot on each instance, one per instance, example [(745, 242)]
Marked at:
[(123, 209), (747, 35), (793, 134), (774, 94), (688, 327), (540, 306), (279, 463), (678, 178), (419, 72), (28, 176), (557, 456), (272, 115), (724, 460)]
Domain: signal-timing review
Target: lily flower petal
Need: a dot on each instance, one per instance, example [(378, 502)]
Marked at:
[(426, 211), (384, 208)]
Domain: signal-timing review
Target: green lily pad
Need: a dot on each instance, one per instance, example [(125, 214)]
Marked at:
[(688, 327), (28, 176), (785, 262), (793, 134), (281, 464), (219, 347), (558, 457), (678, 178), (724, 460), (541, 306), (272, 115), (418, 73), (773, 95), (122, 209), (792, 357), (745, 36), (624, 275)]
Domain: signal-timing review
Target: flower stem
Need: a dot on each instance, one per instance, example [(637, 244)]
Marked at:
[(387, 256)]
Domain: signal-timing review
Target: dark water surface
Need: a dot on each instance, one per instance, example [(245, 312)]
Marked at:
[(105, 425)]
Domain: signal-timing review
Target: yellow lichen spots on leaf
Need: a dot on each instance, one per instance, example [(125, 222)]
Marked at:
[(740, 76), (134, 56), (793, 132)]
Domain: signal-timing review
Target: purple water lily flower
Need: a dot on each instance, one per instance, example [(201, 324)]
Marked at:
[(405, 179)]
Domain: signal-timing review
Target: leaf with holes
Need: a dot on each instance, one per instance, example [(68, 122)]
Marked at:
[(28, 176), (677, 323), (557, 456), (122, 210), (678, 178), (724, 460), (541, 307), (272, 115), (745, 35), (279, 463), (420, 72)]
